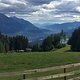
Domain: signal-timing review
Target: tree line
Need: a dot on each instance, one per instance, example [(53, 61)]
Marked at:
[(14, 43), (19, 42), (52, 42)]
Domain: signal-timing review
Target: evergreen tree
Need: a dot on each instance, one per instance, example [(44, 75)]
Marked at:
[(2, 47), (36, 48), (18, 43), (56, 40), (63, 35), (13, 43), (74, 41), (52, 41), (47, 44)]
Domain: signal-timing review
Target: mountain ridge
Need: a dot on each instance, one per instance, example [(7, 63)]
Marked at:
[(15, 26), (68, 27)]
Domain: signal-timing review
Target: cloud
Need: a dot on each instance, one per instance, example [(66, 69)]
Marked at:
[(39, 2), (42, 10), (17, 6), (78, 8), (3, 6), (13, 2)]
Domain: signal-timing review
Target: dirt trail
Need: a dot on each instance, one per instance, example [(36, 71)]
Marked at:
[(37, 70)]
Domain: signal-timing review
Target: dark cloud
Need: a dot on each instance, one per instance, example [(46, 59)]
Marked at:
[(17, 7), (67, 6), (39, 2), (5, 1)]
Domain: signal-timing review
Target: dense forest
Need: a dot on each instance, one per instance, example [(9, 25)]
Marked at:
[(20, 43), (12, 43)]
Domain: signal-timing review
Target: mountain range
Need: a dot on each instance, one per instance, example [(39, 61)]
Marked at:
[(16, 26), (68, 27)]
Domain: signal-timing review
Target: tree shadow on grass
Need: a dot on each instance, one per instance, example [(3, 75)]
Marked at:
[(71, 51), (68, 51)]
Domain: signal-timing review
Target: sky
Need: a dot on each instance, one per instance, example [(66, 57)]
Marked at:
[(42, 11)]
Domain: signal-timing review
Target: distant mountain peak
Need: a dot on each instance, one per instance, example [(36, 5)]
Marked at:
[(3, 15), (16, 26)]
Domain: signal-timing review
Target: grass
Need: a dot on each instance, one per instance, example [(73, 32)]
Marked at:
[(22, 61)]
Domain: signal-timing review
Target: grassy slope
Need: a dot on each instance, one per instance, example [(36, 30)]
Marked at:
[(22, 61)]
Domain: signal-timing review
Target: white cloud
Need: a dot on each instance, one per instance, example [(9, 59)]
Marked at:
[(51, 5), (78, 8), (3, 6)]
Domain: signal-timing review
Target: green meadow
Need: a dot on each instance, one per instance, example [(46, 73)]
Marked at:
[(10, 62)]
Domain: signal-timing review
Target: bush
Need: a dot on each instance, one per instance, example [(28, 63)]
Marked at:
[(60, 45)]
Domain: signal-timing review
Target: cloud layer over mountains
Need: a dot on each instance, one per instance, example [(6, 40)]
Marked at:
[(42, 10)]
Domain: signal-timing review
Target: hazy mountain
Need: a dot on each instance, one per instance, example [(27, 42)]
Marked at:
[(67, 27), (12, 25), (16, 26), (43, 25)]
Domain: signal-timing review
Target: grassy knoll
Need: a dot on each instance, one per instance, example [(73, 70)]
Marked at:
[(22, 61)]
